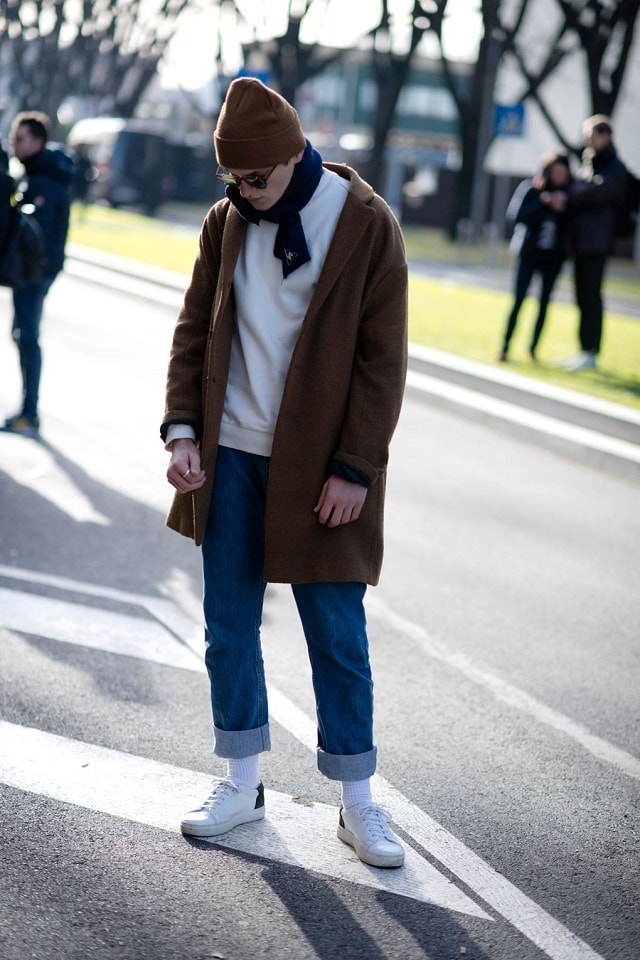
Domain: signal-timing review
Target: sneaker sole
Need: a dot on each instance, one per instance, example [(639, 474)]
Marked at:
[(217, 829), (374, 861)]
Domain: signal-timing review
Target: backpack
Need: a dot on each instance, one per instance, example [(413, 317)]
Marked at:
[(627, 211), (23, 259)]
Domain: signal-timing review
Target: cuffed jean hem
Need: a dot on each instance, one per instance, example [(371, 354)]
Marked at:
[(238, 744), (359, 766)]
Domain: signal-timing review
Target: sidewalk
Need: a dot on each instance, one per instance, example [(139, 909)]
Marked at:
[(604, 434)]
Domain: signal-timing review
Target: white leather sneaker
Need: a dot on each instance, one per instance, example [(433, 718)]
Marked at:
[(228, 805), (365, 827)]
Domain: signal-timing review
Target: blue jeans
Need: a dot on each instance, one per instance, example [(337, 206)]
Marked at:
[(28, 304), (333, 620)]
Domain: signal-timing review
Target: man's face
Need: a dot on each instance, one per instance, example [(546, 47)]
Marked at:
[(24, 144), (598, 140), (277, 182)]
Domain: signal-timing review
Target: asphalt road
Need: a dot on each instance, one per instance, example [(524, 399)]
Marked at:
[(504, 639)]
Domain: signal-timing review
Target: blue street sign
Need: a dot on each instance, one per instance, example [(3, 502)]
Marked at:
[(264, 75), (508, 121)]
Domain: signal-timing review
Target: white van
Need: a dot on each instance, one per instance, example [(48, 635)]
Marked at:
[(129, 156)]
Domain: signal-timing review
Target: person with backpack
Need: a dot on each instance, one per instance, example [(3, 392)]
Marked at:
[(539, 240), (595, 200), (50, 176)]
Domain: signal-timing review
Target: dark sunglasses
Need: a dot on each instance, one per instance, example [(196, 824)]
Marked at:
[(260, 183)]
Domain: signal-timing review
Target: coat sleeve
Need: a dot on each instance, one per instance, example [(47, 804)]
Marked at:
[(380, 362), (606, 188), (191, 335), (531, 211)]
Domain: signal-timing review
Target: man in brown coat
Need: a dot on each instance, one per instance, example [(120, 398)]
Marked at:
[(284, 387)]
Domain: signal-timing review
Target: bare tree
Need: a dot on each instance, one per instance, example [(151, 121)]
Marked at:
[(290, 61), (391, 70), (604, 31), (473, 97), (104, 49)]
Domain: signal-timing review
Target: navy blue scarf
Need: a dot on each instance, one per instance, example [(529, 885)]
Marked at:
[(290, 246)]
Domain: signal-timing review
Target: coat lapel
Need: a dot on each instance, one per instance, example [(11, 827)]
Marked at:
[(231, 242), (355, 219)]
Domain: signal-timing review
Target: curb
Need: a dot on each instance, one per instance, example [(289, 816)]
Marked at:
[(604, 434)]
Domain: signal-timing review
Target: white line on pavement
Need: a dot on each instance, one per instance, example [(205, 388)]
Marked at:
[(32, 466), (524, 914), (295, 830), (547, 933), (92, 627), (506, 692)]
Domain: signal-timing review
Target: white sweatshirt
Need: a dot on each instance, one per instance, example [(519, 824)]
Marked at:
[(269, 314)]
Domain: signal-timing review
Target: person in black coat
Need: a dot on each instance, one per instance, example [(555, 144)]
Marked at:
[(50, 175), (594, 202), (537, 209), (7, 188)]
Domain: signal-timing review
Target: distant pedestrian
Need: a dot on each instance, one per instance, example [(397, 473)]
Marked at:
[(85, 176), (7, 187), (538, 210), (595, 199), (49, 183)]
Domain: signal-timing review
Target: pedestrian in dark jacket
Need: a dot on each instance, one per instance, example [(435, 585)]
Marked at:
[(537, 209), (49, 179), (7, 187), (595, 199)]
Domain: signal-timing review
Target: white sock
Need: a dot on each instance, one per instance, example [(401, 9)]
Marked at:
[(355, 791), (245, 771)]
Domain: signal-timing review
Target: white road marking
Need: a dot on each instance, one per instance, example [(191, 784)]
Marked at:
[(557, 942), (298, 833), (32, 466), (94, 628), (547, 933), (506, 692), (165, 611)]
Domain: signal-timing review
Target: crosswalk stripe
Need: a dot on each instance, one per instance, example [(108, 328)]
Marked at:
[(557, 942), (295, 831), (34, 467), (93, 627)]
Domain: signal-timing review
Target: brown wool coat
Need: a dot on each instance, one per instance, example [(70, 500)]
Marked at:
[(342, 395)]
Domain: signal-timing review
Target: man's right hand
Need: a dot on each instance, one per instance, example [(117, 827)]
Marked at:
[(184, 472)]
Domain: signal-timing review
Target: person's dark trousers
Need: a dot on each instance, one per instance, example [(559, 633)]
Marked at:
[(588, 276), (527, 266), (549, 272), (28, 304)]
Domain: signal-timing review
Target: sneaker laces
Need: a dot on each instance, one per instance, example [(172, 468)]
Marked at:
[(220, 792), (376, 820)]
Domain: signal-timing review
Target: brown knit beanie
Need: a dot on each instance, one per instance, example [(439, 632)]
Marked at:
[(256, 128)]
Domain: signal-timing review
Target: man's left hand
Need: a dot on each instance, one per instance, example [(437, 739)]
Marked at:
[(340, 501)]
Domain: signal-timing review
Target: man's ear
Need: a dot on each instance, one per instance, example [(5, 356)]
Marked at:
[(298, 157)]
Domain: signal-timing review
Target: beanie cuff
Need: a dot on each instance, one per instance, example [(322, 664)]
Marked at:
[(254, 153), (256, 128)]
